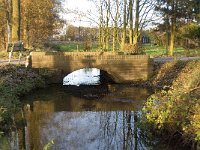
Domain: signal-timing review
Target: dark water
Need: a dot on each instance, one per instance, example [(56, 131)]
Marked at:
[(82, 118)]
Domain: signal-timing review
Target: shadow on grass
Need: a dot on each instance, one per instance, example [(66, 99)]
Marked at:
[(168, 75)]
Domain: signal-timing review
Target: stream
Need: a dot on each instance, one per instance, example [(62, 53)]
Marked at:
[(83, 117)]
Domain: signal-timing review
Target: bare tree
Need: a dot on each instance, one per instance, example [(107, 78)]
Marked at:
[(107, 24), (124, 26), (5, 10), (144, 12), (131, 21), (115, 25)]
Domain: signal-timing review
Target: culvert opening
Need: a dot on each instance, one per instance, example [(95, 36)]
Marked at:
[(87, 76)]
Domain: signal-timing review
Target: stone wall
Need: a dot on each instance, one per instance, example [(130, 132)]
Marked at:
[(122, 68)]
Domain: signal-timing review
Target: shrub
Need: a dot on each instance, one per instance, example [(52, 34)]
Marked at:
[(176, 109), (15, 81), (133, 49), (190, 35), (87, 45)]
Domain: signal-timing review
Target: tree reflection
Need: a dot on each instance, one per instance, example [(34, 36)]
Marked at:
[(95, 130), (119, 130), (111, 122)]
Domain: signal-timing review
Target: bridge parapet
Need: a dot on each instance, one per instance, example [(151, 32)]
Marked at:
[(122, 68)]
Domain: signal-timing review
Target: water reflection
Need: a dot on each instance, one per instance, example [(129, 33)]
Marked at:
[(76, 122), (86, 76), (84, 130)]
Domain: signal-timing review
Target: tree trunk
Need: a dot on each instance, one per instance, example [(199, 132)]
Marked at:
[(135, 33), (101, 27), (167, 36), (107, 23), (172, 36), (172, 30), (131, 22), (15, 20), (115, 26), (124, 27), (26, 23), (100, 37), (167, 30), (8, 20), (26, 34)]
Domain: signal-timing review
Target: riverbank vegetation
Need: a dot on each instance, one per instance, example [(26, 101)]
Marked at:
[(174, 109), (15, 81)]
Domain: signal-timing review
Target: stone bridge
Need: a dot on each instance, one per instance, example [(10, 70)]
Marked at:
[(121, 68)]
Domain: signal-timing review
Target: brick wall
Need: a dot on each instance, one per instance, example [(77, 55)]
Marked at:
[(122, 68)]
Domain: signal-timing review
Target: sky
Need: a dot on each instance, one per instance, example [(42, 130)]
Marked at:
[(81, 5), (85, 6)]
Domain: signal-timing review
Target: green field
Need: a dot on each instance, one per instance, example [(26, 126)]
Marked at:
[(149, 49), (75, 46), (157, 51), (152, 50)]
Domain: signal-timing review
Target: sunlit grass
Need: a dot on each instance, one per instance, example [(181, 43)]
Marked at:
[(157, 51), (74, 46), (149, 49)]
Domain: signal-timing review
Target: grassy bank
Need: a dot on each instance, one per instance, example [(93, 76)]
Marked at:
[(14, 82), (174, 109)]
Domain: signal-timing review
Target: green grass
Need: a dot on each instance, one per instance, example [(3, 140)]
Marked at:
[(156, 51), (152, 50), (72, 47)]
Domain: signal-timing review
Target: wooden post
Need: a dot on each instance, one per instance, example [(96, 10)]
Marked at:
[(20, 55), (10, 53)]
